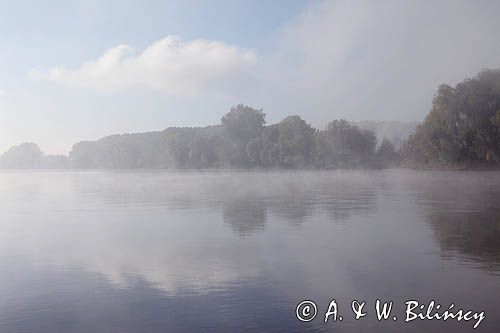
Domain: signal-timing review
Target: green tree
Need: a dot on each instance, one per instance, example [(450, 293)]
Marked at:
[(462, 126), (295, 142), (243, 123), (344, 145)]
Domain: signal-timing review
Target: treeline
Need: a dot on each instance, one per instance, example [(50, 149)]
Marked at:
[(241, 140), (463, 127), (29, 156)]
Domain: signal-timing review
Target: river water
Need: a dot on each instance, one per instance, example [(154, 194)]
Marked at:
[(237, 251)]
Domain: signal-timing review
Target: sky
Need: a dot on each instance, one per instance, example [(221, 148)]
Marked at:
[(80, 70)]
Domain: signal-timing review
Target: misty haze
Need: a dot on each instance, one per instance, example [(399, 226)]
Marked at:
[(249, 166)]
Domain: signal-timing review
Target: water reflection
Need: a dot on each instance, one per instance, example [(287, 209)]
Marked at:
[(464, 214), (245, 215), (47, 299), (292, 196), (236, 251), (474, 235)]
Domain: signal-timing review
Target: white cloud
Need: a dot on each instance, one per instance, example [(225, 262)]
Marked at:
[(379, 59), (2, 92), (168, 65), (359, 60)]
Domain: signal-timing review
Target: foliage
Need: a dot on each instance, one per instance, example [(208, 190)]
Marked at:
[(29, 156), (344, 145), (462, 127), (241, 141), (243, 123)]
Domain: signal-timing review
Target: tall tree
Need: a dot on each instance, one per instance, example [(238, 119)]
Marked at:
[(462, 126), (244, 123)]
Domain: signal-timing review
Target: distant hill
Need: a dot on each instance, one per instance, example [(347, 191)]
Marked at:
[(394, 131)]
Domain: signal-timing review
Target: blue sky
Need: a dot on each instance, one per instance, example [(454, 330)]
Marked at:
[(79, 70), (48, 33)]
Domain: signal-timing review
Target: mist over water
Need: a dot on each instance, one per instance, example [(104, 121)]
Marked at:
[(241, 166), (234, 251)]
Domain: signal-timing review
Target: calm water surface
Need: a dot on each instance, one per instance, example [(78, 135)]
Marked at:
[(237, 251)]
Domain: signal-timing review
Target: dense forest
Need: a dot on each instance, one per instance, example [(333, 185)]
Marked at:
[(461, 130), (463, 127), (241, 140)]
